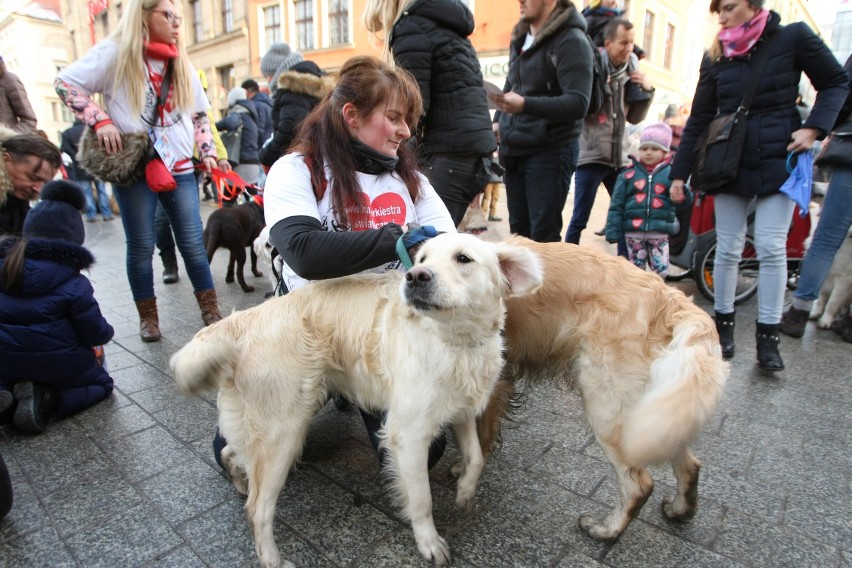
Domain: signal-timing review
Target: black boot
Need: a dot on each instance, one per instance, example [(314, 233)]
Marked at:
[(725, 328), (170, 270), (35, 404), (793, 322), (768, 357)]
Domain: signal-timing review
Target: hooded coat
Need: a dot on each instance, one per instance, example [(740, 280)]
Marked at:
[(48, 328), (244, 112), (430, 41), (298, 92), (773, 115), (554, 75)]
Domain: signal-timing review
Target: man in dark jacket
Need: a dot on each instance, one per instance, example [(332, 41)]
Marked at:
[(297, 91), (455, 139), (603, 142), (263, 105), (542, 107), (27, 162)]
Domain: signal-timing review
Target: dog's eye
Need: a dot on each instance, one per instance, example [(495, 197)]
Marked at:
[(464, 259)]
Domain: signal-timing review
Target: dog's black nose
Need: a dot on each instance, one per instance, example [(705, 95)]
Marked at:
[(418, 276)]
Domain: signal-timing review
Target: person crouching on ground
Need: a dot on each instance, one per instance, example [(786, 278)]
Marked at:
[(642, 210), (49, 318)]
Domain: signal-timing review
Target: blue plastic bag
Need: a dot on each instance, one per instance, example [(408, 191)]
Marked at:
[(798, 185)]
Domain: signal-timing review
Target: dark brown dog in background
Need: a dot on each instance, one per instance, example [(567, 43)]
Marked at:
[(235, 228)]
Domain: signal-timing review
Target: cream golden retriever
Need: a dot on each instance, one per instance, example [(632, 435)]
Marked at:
[(424, 347), (645, 359)]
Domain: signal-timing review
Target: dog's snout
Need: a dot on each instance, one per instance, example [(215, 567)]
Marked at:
[(418, 276)]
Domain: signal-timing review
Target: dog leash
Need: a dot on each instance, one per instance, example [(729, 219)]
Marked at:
[(230, 185)]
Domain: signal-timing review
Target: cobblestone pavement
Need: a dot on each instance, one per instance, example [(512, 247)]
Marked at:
[(132, 481)]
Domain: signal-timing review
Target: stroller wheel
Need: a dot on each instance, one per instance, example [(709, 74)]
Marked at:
[(746, 275)]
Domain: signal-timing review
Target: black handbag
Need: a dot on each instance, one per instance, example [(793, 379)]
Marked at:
[(720, 147), (837, 150)]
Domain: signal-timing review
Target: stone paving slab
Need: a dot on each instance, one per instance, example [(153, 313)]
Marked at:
[(132, 481)]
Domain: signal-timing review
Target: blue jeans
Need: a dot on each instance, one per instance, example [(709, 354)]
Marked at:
[(586, 182), (138, 207), (771, 225), (103, 200), (834, 222), (536, 191)]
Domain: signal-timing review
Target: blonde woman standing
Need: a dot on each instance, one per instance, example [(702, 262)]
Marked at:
[(129, 68)]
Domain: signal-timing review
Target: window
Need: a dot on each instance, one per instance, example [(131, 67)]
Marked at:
[(227, 16), (338, 21), (272, 25), (304, 24), (197, 22), (227, 81), (648, 39), (670, 39)]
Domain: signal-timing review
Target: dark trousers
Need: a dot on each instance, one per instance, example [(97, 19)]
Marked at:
[(536, 191), (457, 179), (586, 183)]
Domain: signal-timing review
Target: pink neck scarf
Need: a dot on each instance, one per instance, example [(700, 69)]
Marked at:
[(739, 40)]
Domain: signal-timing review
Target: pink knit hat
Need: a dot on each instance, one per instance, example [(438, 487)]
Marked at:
[(657, 135)]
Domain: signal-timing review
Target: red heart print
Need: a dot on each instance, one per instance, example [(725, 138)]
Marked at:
[(639, 184), (386, 208)]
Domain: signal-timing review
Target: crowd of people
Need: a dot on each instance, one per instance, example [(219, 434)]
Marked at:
[(411, 130)]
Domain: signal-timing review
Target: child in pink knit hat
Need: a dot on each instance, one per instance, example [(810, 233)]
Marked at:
[(641, 209)]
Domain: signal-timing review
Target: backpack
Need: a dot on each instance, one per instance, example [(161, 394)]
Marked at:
[(600, 78)]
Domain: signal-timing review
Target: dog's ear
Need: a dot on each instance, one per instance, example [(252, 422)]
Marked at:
[(521, 268)]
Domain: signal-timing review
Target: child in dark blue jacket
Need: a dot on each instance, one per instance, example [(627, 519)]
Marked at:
[(641, 209), (49, 318)]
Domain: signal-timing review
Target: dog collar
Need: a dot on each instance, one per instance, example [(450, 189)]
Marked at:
[(403, 255)]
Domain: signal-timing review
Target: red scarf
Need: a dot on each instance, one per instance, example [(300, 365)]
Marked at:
[(161, 52), (739, 40)]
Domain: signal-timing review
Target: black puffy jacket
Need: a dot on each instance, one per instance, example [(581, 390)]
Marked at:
[(554, 75), (297, 92), (773, 116), (430, 41), (243, 112)]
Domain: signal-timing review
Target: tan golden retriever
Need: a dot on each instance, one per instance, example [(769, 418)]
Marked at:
[(645, 359), (425, 348)]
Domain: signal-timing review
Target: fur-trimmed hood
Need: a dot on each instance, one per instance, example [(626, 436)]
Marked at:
[(564, 13), (306, 83), (6, 188)]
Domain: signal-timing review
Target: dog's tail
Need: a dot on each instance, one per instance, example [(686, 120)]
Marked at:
[(685, 384), (206, 362)]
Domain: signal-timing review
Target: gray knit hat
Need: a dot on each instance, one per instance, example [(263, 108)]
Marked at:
[(279, 58)]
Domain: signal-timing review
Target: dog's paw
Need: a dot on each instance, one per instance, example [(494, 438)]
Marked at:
[(596, 528), (435, 550), (824, 322), (456, 470), (466, 502), (257, 273), (229, 278), (248, 289), (674, 513)]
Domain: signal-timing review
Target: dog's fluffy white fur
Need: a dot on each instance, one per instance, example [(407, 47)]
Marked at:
[(644, 357), (836, 292), (425, 348)]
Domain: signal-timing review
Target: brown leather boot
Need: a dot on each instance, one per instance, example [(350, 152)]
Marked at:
[(149, 321), (209, 307)]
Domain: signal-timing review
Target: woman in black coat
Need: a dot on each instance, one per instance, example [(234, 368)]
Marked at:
[(297, 92), (773, 129), (429, 39)]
